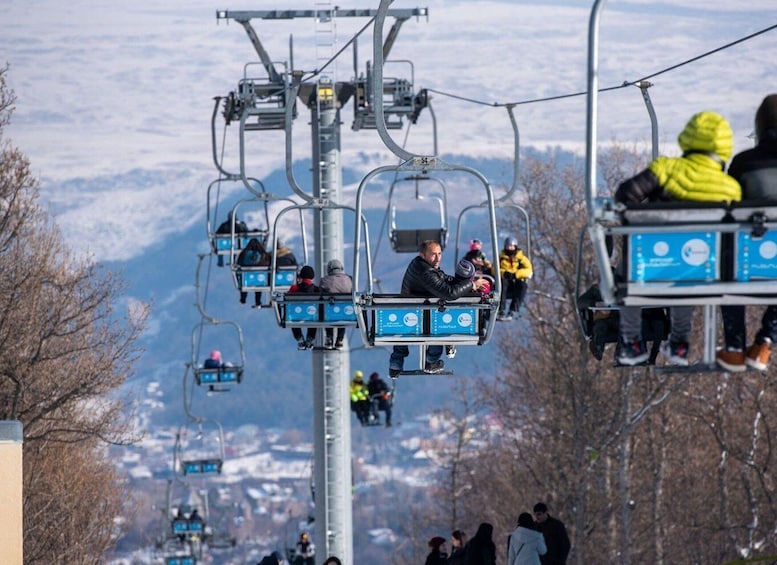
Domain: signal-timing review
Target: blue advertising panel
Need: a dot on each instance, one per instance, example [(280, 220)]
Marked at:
[(209, 376), (251, 279), (339, 312), (669, 257), (454, 321), (285, 278), (756, 258), (301, 311), (398, 321)]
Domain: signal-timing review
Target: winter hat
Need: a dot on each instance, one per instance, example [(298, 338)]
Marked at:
[(374, 376), (465, 269), (358, 374), (215, 355), (436, 542), (334, 266), (708, 132), (766, 119), (307, 272), (475, 245)]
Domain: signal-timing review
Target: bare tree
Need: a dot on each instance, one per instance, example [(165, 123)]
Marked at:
[(644, 466), (64, 353)]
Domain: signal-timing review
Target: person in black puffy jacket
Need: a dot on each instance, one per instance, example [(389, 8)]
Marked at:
[(756, 171), (424, 277)]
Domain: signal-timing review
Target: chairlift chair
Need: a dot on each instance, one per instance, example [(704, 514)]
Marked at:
[(199, 448), (228, 244), (227, 373), (394, 319), (259, 278), (678, 253), (408, 239), (321, 310)]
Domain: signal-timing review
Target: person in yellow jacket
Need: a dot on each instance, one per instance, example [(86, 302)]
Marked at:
[(360, 398), (515, 269), (698, 175)]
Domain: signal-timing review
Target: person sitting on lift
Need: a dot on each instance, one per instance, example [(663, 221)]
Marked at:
[(380, 398), (284, 256), (697, 175), (360, 402), (305, 284), (424, 277), (515, 269), (335, 282), (226, 228), (466, 271), (214, 361), (476, 256), (254, 255)]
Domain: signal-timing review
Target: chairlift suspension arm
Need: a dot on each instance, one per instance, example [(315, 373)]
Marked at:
[(260, 50), (392, 36)]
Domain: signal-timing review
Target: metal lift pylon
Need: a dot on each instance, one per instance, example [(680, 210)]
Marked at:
[(331, 404)]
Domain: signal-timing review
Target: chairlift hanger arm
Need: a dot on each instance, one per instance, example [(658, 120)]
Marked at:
[(392, 36), (261, 51)]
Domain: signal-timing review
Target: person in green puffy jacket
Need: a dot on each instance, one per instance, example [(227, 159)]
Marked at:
[(698, 175)]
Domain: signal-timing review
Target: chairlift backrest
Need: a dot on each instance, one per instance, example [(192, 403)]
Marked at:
[(407, 239)]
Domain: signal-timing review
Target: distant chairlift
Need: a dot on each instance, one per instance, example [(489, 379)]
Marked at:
[(260, 278), (228, 244), (199, 448), (317, 310), (406, 239), (180, 560), (222, 335), (231, 370)]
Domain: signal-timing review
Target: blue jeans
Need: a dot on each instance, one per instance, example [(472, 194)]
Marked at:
[(397, 360)]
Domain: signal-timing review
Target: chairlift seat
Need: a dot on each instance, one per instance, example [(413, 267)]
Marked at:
[(691, 253), (315, 310), (402, 320), (257, 279), (196, 526), (218, 375), (180, 526), (410, 240), (755, 249), (187, 560), (221, 243), (184, 560), (202, 466)]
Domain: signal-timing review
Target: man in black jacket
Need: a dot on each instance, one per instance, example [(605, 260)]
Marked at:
[(756, 171), (555, 534), (424, 277)]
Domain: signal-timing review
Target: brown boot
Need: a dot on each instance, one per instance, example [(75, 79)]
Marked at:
[(758, 356)]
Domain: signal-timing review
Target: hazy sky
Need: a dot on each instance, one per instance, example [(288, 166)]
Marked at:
[(115, 99)]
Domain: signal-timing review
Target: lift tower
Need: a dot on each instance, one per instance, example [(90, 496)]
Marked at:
[(331, 369)]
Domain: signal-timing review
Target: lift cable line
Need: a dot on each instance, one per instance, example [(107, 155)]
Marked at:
[(609, 88)]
